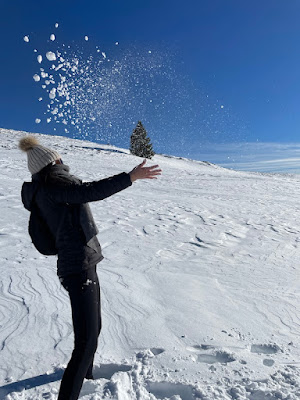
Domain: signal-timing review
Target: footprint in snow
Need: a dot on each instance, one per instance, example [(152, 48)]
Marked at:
[(268, 362), (166, 390), (221, 357), (265, 348), (156, 351), (106, 371)]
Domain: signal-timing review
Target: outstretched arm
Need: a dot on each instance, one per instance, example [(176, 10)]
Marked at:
[(89, 191), (141, 172), (99, 190)]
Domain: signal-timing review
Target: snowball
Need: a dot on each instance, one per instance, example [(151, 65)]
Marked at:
[(52, 37), (86, 38), (51, 56), (48, 120), (39, 58), (36, 77), (116, 43), (52, 93), (40, 98), (56, 25), (222, 106), (35, 50), (26, 39), (37, 121), (149, 51)]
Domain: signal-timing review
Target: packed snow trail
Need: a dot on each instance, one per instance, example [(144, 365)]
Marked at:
[(200, 283)]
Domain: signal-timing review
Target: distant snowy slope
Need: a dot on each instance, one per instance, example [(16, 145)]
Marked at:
[(200, 283)]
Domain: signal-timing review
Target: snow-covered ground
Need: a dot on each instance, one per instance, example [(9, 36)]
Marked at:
[(200, 283)]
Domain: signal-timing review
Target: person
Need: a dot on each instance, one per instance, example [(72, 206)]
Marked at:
[(63, 202)]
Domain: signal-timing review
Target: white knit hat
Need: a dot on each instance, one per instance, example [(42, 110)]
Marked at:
[(38, 156)]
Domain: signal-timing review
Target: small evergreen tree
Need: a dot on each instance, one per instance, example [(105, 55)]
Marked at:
[(140, 144)]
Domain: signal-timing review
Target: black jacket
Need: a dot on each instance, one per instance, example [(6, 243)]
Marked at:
[(62, 199)]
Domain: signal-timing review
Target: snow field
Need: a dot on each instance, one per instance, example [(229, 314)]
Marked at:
[(200, 283)]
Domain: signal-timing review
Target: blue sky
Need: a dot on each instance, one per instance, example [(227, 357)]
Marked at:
[(200, 74)]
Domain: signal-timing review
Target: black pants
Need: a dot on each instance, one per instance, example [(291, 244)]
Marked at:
[(84, 293)]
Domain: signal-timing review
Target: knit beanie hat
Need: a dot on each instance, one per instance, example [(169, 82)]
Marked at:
[(38, 156)]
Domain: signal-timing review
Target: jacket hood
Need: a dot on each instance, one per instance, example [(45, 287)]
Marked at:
[(29, 189), (50, 170), (56, 173)]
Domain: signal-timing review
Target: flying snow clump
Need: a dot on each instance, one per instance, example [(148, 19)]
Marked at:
[(26, 39), (86, 38), (51, 56), (37, 120), (52, 37), (39, 58), (56, 25), (36, 77), (52, 93)]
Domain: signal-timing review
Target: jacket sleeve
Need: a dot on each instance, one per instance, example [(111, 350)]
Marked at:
[(89, 191)]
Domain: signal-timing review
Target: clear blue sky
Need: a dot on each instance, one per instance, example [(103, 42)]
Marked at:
[(244, 56)]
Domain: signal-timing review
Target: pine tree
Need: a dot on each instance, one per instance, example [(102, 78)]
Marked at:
[(140, 144)]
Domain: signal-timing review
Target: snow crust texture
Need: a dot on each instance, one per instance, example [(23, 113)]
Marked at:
[(200, 283)]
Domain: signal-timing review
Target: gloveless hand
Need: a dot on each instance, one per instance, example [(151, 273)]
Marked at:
[(142, 172)]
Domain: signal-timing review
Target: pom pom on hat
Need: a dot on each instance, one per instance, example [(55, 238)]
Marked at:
[(27, 143), (38, 156)]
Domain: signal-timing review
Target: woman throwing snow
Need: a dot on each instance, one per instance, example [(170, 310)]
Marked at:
[(63, 202)]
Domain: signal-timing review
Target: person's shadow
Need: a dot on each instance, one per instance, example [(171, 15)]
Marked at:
[(104, 371), (30, 383)]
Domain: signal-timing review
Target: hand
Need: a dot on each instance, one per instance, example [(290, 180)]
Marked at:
[(141, 172)]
